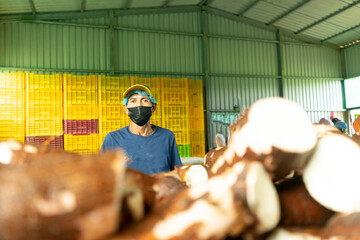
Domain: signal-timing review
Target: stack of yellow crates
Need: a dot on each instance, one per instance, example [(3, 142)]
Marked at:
[(175, 111), (112, 114), (197, 131), (12, 106), (81, 104), (155, 85), (44, 109)]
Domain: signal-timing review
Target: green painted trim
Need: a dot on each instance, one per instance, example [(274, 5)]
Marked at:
[(279, 63), (160, 73), (128, 4), (95, 13), (83, 6), (32, 5), (157, 10), (166, 3), (157, 31)]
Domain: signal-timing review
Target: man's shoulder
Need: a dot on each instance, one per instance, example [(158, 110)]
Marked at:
[(120, 131), (165, 131)]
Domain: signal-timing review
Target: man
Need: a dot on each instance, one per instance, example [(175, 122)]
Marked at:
[(151, 149)]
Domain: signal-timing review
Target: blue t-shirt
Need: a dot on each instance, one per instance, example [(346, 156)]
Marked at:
[(149, 154)]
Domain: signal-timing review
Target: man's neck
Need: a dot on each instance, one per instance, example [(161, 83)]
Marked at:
[(141, 130)]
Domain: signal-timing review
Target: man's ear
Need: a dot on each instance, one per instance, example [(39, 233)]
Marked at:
[(154, 107), (125, 109)]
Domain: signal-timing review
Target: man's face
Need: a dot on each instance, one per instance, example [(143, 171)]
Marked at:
[(139, 100)]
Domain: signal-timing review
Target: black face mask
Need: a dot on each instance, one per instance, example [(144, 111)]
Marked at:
[(140, 114)]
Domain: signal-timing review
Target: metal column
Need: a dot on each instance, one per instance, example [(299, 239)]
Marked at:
[(279, 62), (205, 68)]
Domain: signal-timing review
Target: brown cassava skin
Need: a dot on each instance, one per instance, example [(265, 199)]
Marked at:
[(182, 202), (343, 227), (154, 189), (60, 195), (298, 208), (278, 163), (212, 156)]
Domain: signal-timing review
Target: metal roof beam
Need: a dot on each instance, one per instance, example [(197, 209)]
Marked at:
[(288, 12), (205, 3), (94, 13), (83, 6), (157, 10), (340, 33), (271, 28), (32, 5), (128, 4), (328, 16), (166, 3), (251, 5)]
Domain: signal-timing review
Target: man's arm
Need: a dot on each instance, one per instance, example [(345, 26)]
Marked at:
[(107, 143), (175, 157)]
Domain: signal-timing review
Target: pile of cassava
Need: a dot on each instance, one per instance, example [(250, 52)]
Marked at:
[(278, 177)]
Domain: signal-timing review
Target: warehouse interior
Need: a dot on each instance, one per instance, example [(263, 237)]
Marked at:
[(241, 50), (65, 64)]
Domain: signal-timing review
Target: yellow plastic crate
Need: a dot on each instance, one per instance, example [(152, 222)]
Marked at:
[(44, 112), (81, 111), (84, 83), (50, 96), (196, 111), (110, 97), (12, 128), (80, 97), (12, 112), (81, 143), (197, 137), (196, 98), (112, 111), (197, 124), (195, 84), (12, 96), (182, 137), (106, 126), (42, 82), (44, 128), (19, 139), (114, 83), (174, 98), (174, 85), (197, 150), (179, 124), (153, 83), (156, 121), (101, 139), (12, 80), (175, 111)]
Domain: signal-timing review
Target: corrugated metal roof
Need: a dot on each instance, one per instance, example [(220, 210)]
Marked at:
[(325, 20)]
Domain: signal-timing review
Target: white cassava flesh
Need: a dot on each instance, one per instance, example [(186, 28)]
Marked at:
[(275, 122), (196, 175), (259, 187), (283, 234), (332, 174), (217, 213)]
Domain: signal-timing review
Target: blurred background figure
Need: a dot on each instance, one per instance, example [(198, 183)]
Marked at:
[(324, 121), (341, 126)]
